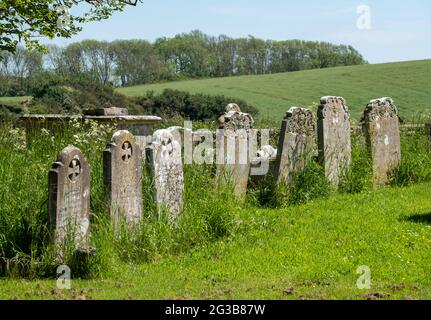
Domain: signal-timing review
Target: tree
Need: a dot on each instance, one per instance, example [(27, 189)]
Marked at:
[(137, 62), (28, 20)]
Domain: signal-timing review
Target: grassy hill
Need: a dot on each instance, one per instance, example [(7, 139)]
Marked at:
[(408, 83)]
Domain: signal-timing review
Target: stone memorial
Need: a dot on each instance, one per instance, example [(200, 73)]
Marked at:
[(164, 161), (233, 148), (122, 171), (263, 164), (333, 134), (382, 132), (296, 144), (69, 198), (140, 126)]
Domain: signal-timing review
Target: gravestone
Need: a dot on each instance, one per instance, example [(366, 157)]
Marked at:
[(382, 132), (234, 148), (296, 144), (333, 133), (164, 161), (263, 164), (69, 198), (122, 171)]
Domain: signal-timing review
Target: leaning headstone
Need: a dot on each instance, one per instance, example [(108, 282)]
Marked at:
[(333, 132), (233, 148), (164, 161), (296, 144), (69, 198), (122, 170), (263, 164), (382, 132)]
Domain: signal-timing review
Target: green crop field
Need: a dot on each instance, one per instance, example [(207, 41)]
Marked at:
[(408, 83)]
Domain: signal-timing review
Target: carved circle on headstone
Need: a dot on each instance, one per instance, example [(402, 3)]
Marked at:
[(74, 169)]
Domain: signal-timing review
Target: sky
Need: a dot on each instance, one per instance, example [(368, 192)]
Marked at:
[(382, 30)]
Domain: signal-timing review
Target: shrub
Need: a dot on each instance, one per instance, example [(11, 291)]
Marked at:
[(172, 103), (54, 94)]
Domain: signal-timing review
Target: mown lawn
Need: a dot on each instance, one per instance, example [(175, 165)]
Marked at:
[(408, 83), (305, 252)]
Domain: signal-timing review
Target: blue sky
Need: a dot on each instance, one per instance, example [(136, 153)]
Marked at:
[(400, 30)]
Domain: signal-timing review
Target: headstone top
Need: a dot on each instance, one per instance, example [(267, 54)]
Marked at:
[(332, 105), (300, 121), (379, 109), (234, 119), (232, 107), (332, 99)]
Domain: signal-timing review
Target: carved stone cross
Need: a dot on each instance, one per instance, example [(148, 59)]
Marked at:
[(74, 170), (127, 151)]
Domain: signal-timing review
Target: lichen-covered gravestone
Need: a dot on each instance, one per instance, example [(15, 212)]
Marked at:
[(122, 170), (164, 161), (333, 131), (69, 198), (382, 132), (296, 144), (233, 148)]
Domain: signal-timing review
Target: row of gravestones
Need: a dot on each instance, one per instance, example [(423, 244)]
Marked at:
[(69, 184), (297, 141), (69, 178), (382, 134)]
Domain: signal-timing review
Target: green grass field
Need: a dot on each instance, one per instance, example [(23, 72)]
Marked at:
[(306, 252), (408, 83), (13, 101)]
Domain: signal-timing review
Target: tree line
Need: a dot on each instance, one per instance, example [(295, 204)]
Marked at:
[(185, 56)]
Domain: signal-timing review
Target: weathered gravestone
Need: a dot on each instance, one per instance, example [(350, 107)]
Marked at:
[(296, 144), (263, 164), (122, 170), (333, 133), (164, 161), (234, 148), (382, 132), (69, 198)]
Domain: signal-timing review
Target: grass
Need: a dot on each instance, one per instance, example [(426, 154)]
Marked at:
[(310, 251), (13, 101), (408, 83)]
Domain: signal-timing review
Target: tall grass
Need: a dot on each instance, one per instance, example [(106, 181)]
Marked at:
[(209, 209), (415, 165)]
